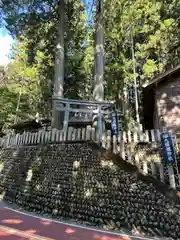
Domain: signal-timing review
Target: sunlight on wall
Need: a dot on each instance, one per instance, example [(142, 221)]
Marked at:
[(29, 175)]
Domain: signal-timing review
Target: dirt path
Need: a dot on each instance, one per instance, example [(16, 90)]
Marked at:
[(16, 225)]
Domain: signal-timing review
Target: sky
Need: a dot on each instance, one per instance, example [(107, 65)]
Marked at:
[(6, 40), (5, 46)]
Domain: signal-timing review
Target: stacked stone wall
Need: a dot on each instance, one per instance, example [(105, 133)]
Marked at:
[(81, 183)]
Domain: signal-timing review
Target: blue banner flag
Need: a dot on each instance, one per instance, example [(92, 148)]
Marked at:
[(114, 124), (168, 148)]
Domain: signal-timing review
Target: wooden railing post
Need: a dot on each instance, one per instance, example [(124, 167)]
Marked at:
[(122, 150), (93, 134), (74, 134), (8, 140), (114, 144), (129, 147), (83, 134), (104, 142), (53, 135), (79, 134), (161, 167), (109, 140), (172, 181), (66, 120), (88, 133), (69, 135)]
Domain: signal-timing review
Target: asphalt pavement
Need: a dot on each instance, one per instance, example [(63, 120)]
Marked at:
[(15, 224)]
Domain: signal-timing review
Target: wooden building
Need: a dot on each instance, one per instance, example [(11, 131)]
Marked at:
[(161, 100)]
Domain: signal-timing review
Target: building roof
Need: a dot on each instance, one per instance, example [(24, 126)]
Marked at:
[(162, 77), (31, 124), (27, 124)]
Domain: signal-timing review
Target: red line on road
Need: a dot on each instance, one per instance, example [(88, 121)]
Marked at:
[(15, 232), (51, 230)]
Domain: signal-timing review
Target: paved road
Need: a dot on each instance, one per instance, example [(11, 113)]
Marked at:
[(15, 225)]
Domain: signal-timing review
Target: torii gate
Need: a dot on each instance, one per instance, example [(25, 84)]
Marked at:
[(97, 107)]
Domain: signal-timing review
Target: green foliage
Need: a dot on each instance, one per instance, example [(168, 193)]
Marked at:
[(150, 28), (21, 81), (153, 26), (34, 24)]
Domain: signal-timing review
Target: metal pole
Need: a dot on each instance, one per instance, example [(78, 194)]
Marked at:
[(135, 83), (18, 103), (100, 128)]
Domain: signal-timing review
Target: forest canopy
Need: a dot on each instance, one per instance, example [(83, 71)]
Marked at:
[(148, 28)]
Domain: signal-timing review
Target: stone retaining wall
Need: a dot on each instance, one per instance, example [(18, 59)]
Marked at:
[(82, 183)]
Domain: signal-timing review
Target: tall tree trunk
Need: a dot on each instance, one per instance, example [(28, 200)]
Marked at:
[(59, 63), (98, 91)]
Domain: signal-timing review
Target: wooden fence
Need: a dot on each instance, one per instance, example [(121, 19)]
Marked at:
[(139, 148)]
